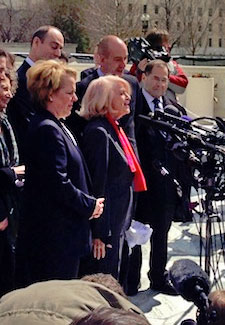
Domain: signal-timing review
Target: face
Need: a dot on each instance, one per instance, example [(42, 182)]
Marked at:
[(61, 101), (3, 67), (51, 47), (5, 93), (156, 83), (121, 100), (116, 62)]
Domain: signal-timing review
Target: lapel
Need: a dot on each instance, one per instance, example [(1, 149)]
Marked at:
[(145, 107), (48, 115)]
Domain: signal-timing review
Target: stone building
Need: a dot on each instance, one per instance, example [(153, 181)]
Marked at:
[(196, 26)]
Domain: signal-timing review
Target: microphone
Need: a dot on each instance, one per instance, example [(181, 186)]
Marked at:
[(191, 282), (165, 172), (171, 109)]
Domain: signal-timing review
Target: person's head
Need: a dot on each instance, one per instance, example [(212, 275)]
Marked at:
[(158, 38), (52, 85), (155, 78), (5, 93), (3, 63), (108, 94), (113, 55), (112, 316), (217, 303), (47, 43), (107, 280)]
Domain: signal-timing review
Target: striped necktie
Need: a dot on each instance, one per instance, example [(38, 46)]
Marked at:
[(156, 102)]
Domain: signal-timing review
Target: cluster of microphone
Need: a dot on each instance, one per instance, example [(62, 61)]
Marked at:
[(182, 129)]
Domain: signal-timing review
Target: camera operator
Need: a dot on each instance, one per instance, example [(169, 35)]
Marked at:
[(178, 81), (160, 203)]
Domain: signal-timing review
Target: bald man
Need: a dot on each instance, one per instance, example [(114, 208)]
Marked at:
[(112, 59), (47, 43)]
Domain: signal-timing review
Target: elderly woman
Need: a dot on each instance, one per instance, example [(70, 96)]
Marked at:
[(9, 172), (54, 232), (113, 166)]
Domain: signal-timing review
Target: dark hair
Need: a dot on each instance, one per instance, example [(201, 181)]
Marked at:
[(112, 316), (42, 31), (107, 280), (151, 64), (157, 37)]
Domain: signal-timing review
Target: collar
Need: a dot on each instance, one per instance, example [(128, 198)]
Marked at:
[(149, 98), (99, 72), (29, 61)]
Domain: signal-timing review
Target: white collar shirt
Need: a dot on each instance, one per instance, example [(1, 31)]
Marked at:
[(149, 99)]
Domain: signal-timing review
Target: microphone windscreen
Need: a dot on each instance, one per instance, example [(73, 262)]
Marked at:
[(185, 275)]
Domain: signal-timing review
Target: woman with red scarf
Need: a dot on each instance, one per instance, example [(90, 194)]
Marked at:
[(113, 166)]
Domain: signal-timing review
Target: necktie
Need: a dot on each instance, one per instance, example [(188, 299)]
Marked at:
[(156, 102)]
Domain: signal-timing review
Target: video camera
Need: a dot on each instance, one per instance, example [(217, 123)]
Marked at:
[(139, 49)]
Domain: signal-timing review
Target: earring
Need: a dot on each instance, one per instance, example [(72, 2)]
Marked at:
[(50, 99)]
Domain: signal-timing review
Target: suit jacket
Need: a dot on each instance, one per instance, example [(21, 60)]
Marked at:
[(152, 147), (111, 177), (127, 121), (21, 109), (57, 204)]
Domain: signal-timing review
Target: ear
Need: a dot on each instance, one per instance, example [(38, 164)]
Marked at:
[(143, 77), (36, 41), (101, 59), (50, 99)]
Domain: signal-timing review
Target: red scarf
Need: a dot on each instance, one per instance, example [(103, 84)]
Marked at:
[(139, 179)]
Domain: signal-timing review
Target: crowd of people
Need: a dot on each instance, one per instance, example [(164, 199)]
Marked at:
[(77, 165)]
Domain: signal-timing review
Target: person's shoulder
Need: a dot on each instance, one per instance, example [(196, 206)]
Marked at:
[(43, 118), (131, 79), (84, 82), (87, 72), (133, 82), (98, 125), (23, 69)]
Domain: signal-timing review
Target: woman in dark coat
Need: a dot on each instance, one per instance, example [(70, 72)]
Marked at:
[(54, 232), (9, 172), (112, 164)]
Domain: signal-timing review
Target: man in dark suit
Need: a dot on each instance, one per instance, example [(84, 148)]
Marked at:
[(112, 59), (47, 43), (159, 203)]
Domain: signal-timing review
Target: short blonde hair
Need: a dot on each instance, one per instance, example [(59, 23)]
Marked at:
[(45, 78), (97, 100)]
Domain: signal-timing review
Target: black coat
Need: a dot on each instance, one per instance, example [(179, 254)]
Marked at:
[(161, 191), (57, 205), (20, 109), (111, 177)]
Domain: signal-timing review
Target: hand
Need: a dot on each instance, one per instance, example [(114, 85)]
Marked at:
[(19, 170), (4, 224), (98, 249), (142, 64), (98, 208)]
